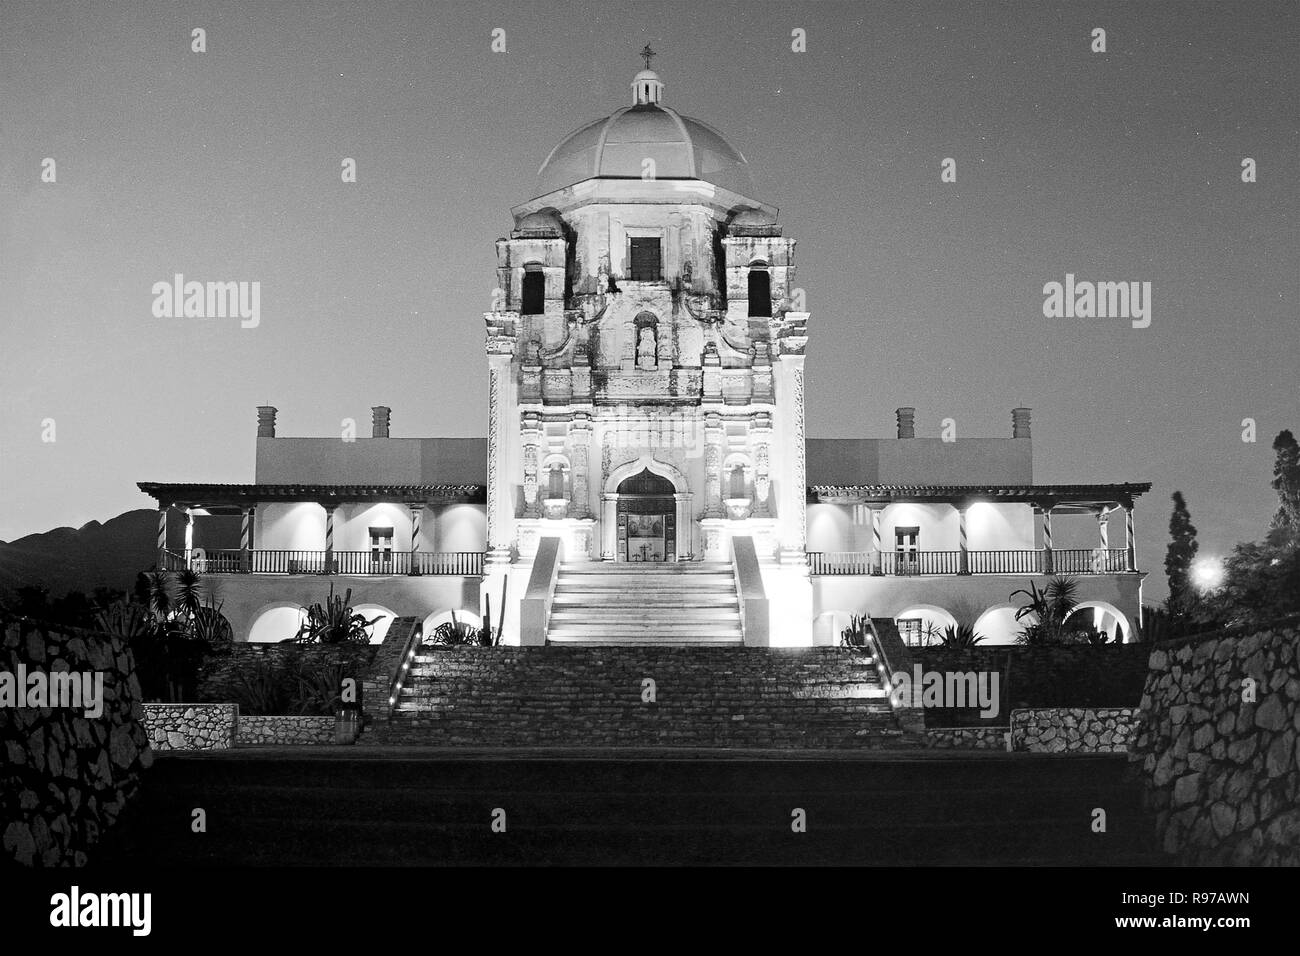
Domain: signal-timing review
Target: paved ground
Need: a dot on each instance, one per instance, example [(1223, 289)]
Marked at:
[(424, 806)]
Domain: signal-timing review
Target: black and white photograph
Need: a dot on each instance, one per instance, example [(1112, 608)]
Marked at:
[(842, 454)]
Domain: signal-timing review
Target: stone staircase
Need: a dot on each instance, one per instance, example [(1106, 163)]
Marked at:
[(595, 697), (628, 604)]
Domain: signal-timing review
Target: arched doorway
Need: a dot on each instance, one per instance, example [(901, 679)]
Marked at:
[(647, 518)]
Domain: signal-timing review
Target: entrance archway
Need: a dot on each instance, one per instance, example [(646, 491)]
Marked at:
[(647, 518)]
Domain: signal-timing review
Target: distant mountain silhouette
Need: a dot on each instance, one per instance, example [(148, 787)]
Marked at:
[(110, 554)]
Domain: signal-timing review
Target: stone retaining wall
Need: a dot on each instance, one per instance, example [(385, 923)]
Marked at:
[(966, 738), (221, 726), (1219, 746), (65, 777), (191, 726), (286, 730), (1073, 729), (1075, 676), (219, 673)]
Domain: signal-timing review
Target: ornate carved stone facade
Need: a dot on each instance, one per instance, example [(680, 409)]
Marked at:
[(650, 316)]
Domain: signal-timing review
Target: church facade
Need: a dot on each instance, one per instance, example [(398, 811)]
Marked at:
[(645, 356)]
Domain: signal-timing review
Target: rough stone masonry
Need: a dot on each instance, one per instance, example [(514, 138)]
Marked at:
[(66, 776), (1219, 746)]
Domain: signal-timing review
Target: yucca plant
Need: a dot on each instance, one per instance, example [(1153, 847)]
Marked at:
[(1046, 612), (334, 622), (187, 597), (159, 594)]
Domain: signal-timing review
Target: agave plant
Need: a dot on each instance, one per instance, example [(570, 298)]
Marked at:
[(335, 622), (455, 633), (209, 624), (124, 619), (960, 635)]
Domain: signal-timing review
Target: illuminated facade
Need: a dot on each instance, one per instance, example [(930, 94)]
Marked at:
[(646, 416)]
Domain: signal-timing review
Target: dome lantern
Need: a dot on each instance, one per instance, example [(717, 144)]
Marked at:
[(647, 88)]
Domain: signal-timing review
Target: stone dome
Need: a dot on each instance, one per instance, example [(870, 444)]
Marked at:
[(616, 146)]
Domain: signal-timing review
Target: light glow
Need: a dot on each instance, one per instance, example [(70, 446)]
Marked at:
[(1207, 573)]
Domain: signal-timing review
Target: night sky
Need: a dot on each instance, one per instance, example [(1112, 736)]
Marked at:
[(225, 165)]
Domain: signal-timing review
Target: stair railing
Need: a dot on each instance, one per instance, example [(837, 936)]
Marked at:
[(409, 648), (889, 661)]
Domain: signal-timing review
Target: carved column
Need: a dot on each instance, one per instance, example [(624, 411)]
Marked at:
[(580, 439), (761, 432), (530, 434), (608, 502), (714, 434), (501, 506)]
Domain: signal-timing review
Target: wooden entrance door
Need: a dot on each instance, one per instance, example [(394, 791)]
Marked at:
[(647, 513)]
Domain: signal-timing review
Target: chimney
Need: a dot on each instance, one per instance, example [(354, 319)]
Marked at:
[(1019, 423), (266, 421), (906, 423), (379, 418)]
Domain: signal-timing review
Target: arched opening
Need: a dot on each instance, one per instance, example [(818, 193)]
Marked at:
[(555, 481), (647, 511), (921, 624), (998, 624), (829, 627), (1106, 618), (760, 291), (534, 291), (385, 618), (463, 619), (736, 482), (277, 623)]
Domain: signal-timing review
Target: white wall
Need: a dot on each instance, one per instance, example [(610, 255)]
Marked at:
[(301, 526)]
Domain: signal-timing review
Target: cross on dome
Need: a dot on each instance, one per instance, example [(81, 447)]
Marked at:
[(647, 88)]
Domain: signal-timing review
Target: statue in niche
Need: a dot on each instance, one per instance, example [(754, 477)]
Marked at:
[(647, 354)]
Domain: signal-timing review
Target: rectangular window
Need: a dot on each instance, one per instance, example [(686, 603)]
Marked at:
[(533, 299), (909, 629), (381, 546), (906, 541), (645, 263)]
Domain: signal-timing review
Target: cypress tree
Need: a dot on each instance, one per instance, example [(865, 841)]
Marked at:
[(1286, 482), (1182, 550)]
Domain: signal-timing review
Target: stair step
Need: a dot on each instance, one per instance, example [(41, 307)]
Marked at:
[(632, 614), (623, 599)]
